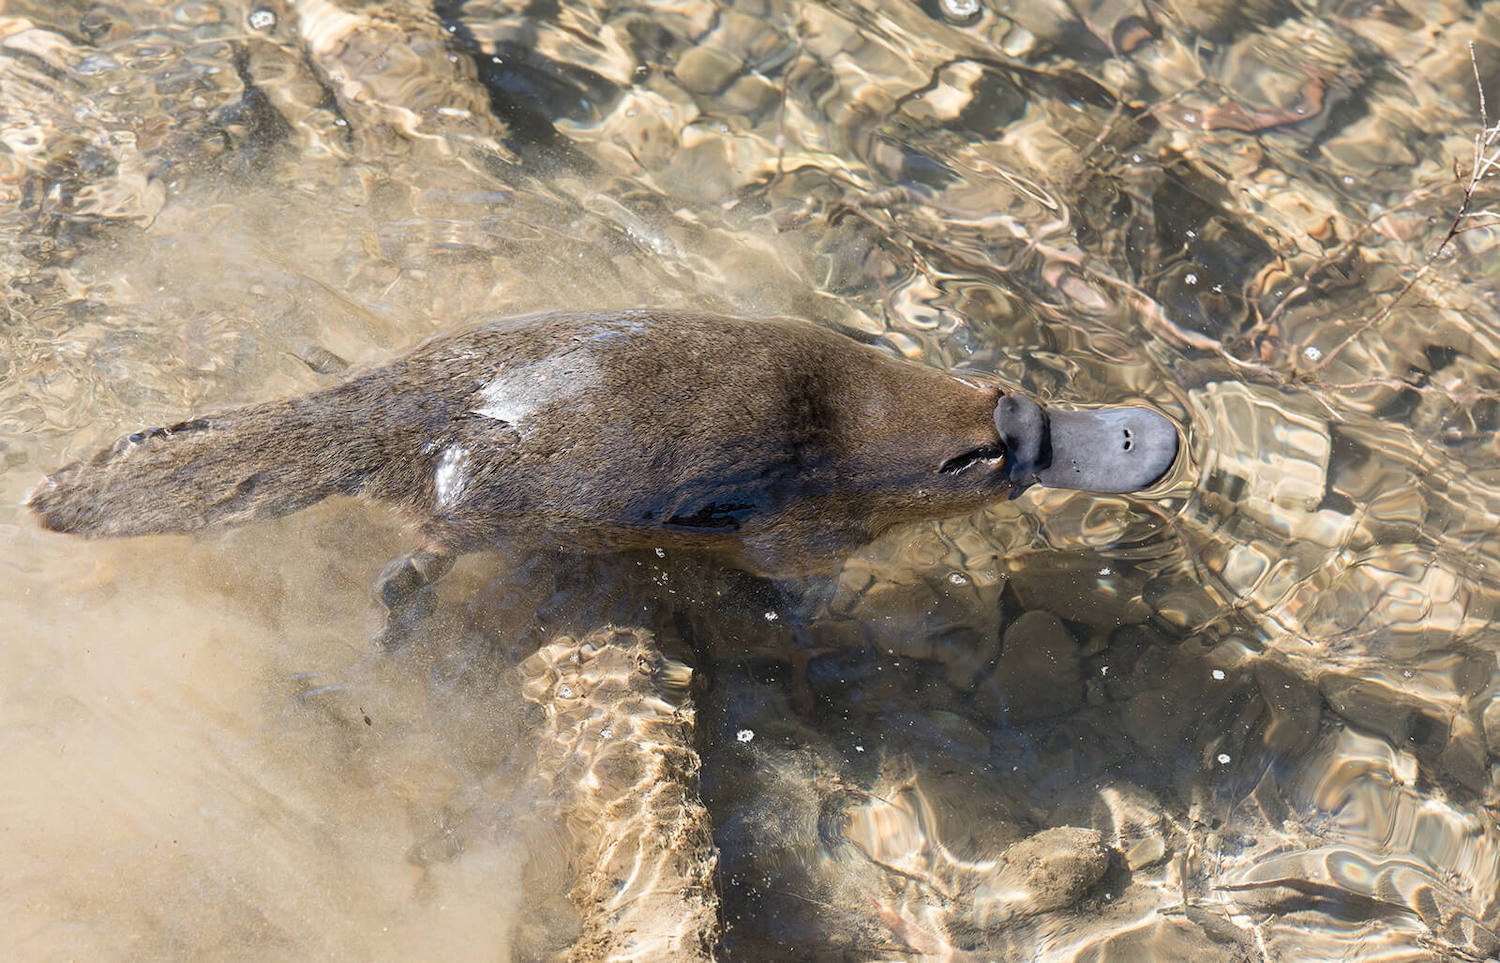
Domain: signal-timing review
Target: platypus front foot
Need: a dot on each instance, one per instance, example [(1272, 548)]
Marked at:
[(405, 588)]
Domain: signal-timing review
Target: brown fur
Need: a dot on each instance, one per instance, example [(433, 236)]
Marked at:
[(777, 442)]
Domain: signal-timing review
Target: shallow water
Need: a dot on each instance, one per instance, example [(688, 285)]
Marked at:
[(1271, 686)]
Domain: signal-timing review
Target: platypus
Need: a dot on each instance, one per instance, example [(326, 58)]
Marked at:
[(778, 444)]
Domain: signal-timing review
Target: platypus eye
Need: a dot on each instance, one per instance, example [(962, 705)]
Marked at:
[(978, 456)]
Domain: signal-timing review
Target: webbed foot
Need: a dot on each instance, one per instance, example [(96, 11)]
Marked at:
[(405, 588)]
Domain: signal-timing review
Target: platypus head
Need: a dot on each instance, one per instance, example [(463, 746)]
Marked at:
[(1095, 450)]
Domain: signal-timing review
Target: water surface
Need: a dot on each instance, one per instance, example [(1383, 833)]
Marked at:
[(1270, 686)]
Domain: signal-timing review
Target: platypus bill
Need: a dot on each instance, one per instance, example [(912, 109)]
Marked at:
[(778, 444)]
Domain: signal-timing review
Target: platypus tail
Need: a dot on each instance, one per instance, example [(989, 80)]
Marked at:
[(250, 464)]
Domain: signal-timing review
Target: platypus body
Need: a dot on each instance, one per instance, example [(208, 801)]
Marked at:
[(776, 443)]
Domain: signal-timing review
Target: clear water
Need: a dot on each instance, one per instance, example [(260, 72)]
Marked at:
[(1271, 688)]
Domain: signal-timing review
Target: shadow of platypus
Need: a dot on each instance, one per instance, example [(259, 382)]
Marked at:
[(778, 445)]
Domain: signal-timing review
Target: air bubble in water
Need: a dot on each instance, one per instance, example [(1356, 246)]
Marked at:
[(745, 735), (960, 9), (262, 19)]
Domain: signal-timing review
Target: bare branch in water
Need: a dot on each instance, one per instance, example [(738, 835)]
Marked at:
[(1485, 162), (1484, 117)]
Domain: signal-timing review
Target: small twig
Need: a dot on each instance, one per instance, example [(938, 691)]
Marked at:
[(1390, 306), (1484, 116)]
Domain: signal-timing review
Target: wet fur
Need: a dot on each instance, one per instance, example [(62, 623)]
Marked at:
[(777, 442)]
